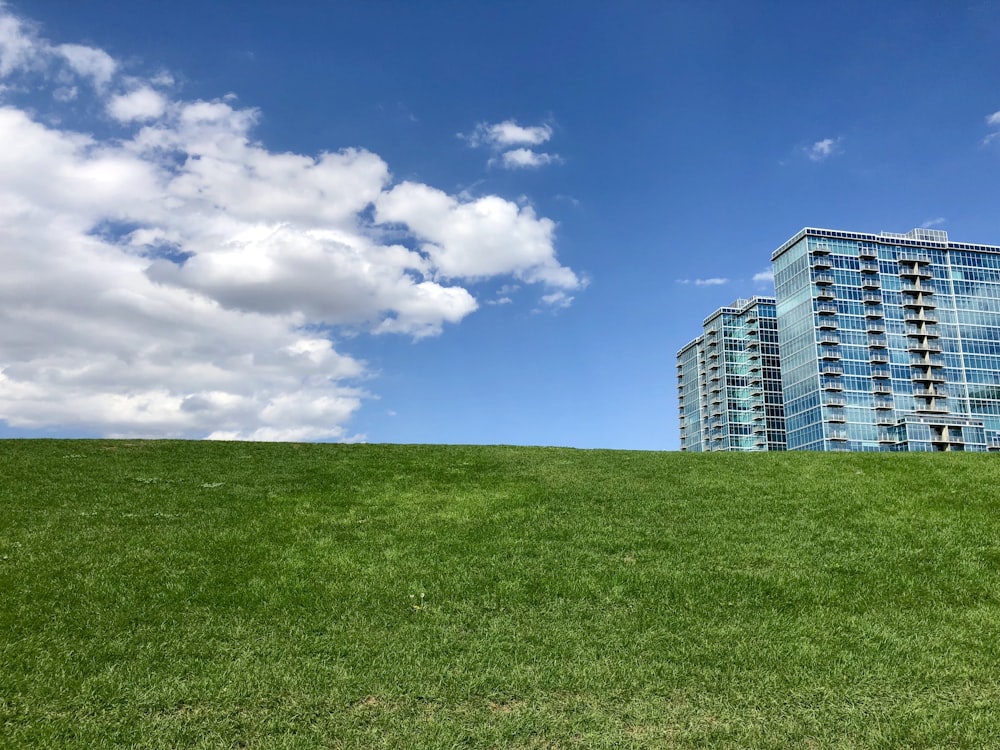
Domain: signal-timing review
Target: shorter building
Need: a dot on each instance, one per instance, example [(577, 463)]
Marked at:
[(729, 381)]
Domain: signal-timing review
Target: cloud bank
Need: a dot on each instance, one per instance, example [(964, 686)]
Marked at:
[(177, 278)]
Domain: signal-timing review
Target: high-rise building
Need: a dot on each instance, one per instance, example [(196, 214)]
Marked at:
[(729, 381), (889, 341)]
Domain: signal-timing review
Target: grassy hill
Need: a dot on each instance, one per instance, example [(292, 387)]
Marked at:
[(175, 594)]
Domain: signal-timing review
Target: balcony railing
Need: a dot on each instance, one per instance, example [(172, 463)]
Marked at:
[(878, 342), (869, 267), (917, 315), (825, 309)]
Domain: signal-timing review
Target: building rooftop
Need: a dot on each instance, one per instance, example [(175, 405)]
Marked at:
[(931, 238)]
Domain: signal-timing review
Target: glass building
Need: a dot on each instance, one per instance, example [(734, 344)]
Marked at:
[(729, 381), (889, 342)]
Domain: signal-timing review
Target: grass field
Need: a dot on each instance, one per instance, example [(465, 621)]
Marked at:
[(174, 594)]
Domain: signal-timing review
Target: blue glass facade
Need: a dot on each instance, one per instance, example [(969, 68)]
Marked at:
[(889, 342), (729, 381)]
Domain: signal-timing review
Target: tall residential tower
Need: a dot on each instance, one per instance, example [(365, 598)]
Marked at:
[(729, 381), (889, 341)]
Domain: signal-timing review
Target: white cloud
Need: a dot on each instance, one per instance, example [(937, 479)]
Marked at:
[(933, 222), (525, 158), (89, 62), (824, 149), (180, 279), (765, 277), (475, 239), (142, 104), (509, 133), (557, 300), (994, 122), (714, 281)]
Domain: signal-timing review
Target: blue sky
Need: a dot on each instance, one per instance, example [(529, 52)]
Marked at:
[(522, 214)]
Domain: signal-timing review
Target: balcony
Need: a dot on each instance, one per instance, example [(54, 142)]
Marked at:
[(875, 326), (925, 288), (827, 337), (932, 407), (821, 250), (825, 294), (870, 282), (822, 262), (877, 342), (838, 435), (883, 404), (873, 311), (929, 375), (930, 392), (836, 416), (878, 357), (831, 370), (753, 354), (915, 272), (914, 259), (886, 437), (832, 400), (871, 298), (867, 253), (917, 302), (823, 279), (882, 389), (831, 384), (881, 373), (923, 329), (829, 354), (924, 345), (885, 420), (926, 361), (869, 267), (826, 309)]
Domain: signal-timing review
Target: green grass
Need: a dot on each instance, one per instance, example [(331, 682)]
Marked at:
[(173, 594)]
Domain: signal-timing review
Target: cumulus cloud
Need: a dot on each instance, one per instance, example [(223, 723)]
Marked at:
[(824, 149), (714, 281), (765, 277), (501, 136), (477, 238), (992, 120), (933, 222), (508, 133), (525, 158), (143, 103), (89, 62), (178, 278)]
